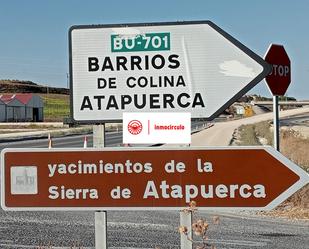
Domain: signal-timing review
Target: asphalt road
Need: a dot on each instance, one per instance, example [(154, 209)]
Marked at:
[(302, 120), (239, 230), (113, 139), (147, 230)]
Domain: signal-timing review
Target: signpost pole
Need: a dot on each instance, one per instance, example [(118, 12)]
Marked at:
[(186, 220), (276, 123), (100, 216)]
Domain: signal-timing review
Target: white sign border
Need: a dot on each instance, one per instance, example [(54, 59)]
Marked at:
[(266, 67)]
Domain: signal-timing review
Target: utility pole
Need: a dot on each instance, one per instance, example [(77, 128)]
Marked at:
[(68, 80)]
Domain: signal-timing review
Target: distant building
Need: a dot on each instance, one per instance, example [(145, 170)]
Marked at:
[(21, 108), (2, 110), (239, 109)]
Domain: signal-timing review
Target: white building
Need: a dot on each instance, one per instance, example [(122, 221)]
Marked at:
[(21, 107), (2, 111), (239, 109)]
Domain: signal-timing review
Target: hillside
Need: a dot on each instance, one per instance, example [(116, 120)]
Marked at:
[(56, 107), (20, 86)]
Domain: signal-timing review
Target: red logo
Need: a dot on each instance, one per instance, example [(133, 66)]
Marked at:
[(135, 127)]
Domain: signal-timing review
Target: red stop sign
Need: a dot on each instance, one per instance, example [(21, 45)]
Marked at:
[(280, 77)]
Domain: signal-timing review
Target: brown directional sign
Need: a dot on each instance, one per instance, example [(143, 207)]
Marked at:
[(109, 179)]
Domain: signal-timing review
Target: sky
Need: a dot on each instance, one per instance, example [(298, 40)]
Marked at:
[(34, 33)]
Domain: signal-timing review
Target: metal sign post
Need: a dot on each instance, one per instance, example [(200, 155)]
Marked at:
[(276, 123), (100, 216), (186, 220)]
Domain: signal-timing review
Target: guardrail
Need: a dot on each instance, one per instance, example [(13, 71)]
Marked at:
[(280, 102)]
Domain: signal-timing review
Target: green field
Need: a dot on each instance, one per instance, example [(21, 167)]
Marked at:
[(56, 106)]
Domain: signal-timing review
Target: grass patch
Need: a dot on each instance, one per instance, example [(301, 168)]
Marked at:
[(292, 144), (253, 134), (296, 148), (247, 135), (263, 130), (56, 106)]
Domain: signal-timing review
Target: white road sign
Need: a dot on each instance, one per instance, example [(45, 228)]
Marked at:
[(183, 67)]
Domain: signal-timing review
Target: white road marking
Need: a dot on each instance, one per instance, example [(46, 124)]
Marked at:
[(36, 246), (139, 225), (240, 242)]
